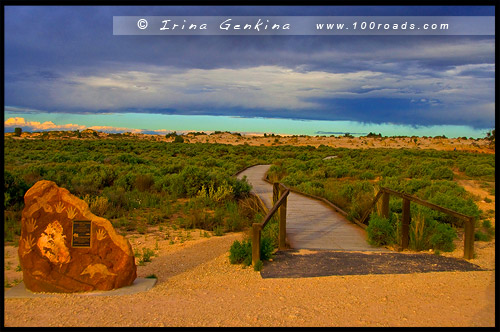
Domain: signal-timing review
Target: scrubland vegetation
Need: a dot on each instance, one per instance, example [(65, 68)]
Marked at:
[(352, 178), (135, 183)]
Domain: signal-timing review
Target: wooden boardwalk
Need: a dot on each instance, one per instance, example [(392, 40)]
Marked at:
[(310, 223)]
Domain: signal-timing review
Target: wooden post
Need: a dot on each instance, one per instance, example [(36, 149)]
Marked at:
[(256, 230), (276, 192), (385, 204), (469, 238), (282, 225), (405, 226)]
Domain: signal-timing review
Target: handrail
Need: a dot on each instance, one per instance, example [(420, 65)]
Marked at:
[(428, 204), (275, 207), (406, 219), (257, 227)]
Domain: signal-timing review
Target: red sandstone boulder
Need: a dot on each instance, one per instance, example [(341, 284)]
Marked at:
[(65, 248)]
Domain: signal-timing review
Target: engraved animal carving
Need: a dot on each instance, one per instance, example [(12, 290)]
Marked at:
[(39, 203), (97, 268), (47, 208)]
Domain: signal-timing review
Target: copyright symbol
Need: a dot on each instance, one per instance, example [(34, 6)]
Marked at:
[(142, 24)]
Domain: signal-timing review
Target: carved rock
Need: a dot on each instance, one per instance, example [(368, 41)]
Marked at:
[(52, 256)]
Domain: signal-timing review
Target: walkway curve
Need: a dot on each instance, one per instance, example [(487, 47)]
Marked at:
[(311, 224)]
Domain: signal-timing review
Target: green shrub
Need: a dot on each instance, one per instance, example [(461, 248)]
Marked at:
[(129, 159), (419, 233), (241, 252), (144, 182), (271, 233), (218, 230), (14, 189), (480, 170), (337, 172), (454, 198), (380, 231), (442, 237), (266, 248), (258, 266), (417, 171), (276, 173), (97, 205), (442, 173), (234, 221), (146, 255), (480, 236), (178, 139), (367, 176)]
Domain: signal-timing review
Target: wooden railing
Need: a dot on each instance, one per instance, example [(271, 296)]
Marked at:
[(405, 226), (280, 195)]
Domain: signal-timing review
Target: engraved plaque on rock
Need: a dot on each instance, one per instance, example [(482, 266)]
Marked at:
[(81, 233)]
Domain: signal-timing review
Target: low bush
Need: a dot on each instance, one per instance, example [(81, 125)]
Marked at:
[(442, 237), (380, 231), (144, 182), (178, 139), (14, 190), (97, 205), (442, 173), (147, 254), (241, 252), (487, 224), (258, 266), (480, 236), (419, 233), (480, 170), (367, 176)]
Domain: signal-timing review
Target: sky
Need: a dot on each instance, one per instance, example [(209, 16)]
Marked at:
[(66, 70)]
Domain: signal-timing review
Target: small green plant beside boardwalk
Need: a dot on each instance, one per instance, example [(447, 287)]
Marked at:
[(424, 235), (241, 252), (417, 227)]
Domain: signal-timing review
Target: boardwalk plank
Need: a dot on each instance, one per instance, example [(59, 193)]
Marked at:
[(311, 224)]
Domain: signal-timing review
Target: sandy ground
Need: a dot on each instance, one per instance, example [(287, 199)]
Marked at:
[(197, 286), (437, 143), (449, 144)]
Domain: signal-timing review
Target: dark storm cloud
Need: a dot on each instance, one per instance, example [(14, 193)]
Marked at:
[(69, 61)]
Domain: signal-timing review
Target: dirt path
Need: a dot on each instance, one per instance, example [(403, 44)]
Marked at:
[(197, 286), (486, 201)]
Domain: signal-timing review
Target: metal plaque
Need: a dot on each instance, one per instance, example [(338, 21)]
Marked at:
[(81, 233)]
